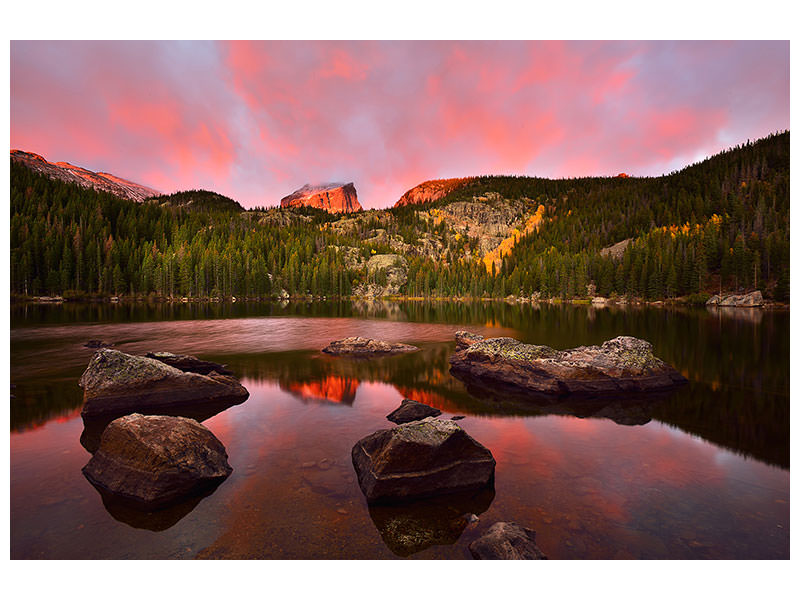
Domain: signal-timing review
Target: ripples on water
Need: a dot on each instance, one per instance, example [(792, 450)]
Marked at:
[(700, 473)]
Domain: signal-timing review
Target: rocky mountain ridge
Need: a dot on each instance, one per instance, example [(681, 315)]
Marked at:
[(104, 182)]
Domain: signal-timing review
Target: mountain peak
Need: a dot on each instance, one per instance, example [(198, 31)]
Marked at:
[(332, 197)]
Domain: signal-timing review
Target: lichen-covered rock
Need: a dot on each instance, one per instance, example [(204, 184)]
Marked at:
[(153, 461), (189, 364), (361, 346), (464, 339), (751, 300), (411, 410), (623, 364), (506, 541), (420, 459), (119, 383)]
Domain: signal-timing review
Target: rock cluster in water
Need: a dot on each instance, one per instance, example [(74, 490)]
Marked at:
[(116, 383), (420, 459), (153, 461), (411, 410), (621, 365), (364, 347)]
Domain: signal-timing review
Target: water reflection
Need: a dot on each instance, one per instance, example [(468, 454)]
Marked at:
[(410, 528), (157, 520)]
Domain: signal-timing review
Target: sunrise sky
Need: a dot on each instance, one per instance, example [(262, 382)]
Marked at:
[(255, 121)]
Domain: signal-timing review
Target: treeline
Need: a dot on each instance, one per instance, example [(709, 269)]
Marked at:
[(722, 224), (66, 239)]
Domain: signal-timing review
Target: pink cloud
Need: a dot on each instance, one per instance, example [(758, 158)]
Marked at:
[(255, 120)]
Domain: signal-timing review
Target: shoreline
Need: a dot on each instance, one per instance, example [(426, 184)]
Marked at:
[(92, 299)]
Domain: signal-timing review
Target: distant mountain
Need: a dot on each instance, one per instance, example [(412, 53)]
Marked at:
[(197, 200), (332, 197), (104, 182), (431, 191)]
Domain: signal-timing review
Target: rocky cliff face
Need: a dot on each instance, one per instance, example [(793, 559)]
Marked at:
[(333, 197), (104, 182), (430, 191)]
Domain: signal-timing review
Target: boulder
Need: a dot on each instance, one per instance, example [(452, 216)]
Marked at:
[(621, 365), (411, 410), (751, 300), (420, 459), (506, 541), (119, 383), (361, 346), (154, 461), (464, 339), (599, 301), (189, 364)]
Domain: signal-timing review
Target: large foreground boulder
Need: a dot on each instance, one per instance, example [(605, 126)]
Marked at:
[(411, 410), (419, 460), (506, 541), (189, 364), (751, 300), (116, 383), (622, 365), (361, 346), (153, 461)]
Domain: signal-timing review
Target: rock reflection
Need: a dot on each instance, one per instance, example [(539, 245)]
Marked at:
[(157, 520), (410, 528)]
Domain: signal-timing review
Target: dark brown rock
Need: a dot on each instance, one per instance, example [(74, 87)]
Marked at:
[(153, 461), (506, 541), (621, 365), (411, 410), (420, 459), (189, 364), (116, 383), (361, 346)]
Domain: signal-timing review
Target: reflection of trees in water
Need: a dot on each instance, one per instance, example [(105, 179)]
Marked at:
[(35, 403)]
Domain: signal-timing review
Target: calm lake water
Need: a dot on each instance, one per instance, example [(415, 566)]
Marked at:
[(702, 472)]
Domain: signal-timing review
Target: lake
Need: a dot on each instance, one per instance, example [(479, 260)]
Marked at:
[(699, 473)]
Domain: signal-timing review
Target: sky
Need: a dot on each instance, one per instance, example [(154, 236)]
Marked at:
[(257, 120)]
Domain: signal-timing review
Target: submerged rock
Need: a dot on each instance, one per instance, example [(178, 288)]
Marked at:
[(153, 461), (414, 526), (506, 541), (465, 339), (623, 364), (411, 410), (119, 383), (751, 300), (420, 459), (361, 346), (189, 364)]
